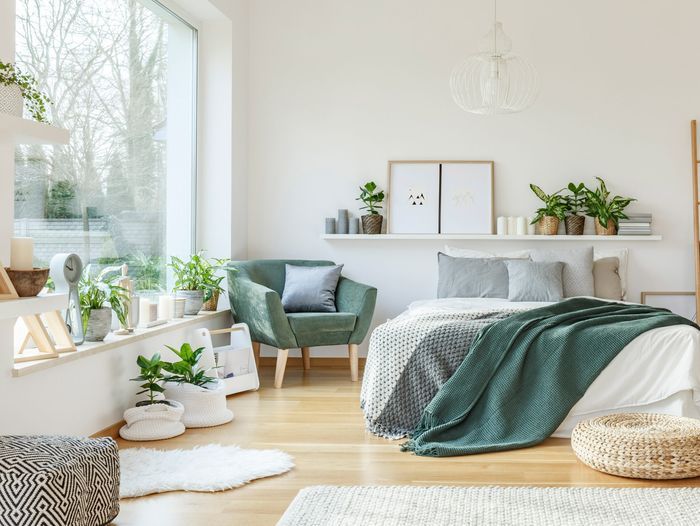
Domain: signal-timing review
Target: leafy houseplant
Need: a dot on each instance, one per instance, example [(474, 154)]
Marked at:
[(25, 88), (213, 283), (187, 369), (575, 204), (551, 213), (195, 280), (606, 211), (152, 376), (95, 292), (372, 201)]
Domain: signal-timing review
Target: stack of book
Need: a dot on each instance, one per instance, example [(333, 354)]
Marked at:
[(636, 225)]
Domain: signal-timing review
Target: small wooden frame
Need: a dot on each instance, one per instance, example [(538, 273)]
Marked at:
[(687, 311)]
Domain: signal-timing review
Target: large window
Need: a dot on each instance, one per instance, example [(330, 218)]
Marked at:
[(122, 77)]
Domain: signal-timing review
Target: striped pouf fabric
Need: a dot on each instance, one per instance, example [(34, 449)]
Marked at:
[(58, 481)]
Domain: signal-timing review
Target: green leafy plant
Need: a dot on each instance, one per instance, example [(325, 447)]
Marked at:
[(555, 204), (198, 273), (187, 370), (151, 376), (371, 198), (601, 206), (577, 199), (148, 272), (96, 290), (37, 102)]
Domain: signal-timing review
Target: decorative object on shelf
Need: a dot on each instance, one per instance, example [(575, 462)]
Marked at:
[(531, 226), (179, 310), (553, 211), (164, 310), (155, 418), (354, 226), (638, 224), (512, 226), (17, 88), (414, 198), (21, 253), (521, 226), (330, 225), (131, 318), (212, 303), (605, 210), (196, 280), (574, 223), (148, 312), (502, 226), (342, 223), (681, 303), (494, 80), (372, 201), (66, 270), (204, 397), (95, 292), (28, 283)]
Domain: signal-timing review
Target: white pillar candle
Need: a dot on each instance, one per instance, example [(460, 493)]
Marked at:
[(501, 226), (171, 307), (144, 311), (21, 253), (531, 228), (164, 307), (512, 226), (521, 226)]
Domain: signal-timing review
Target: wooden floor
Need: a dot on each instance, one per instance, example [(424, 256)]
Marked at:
[(317, 419)]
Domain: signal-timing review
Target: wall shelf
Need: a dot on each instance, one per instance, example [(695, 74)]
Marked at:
[(36, 305), (25, 131), (483, 237)]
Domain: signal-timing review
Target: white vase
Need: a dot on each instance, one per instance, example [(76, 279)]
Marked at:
[(153, 421), (203, 407), (11, 100)]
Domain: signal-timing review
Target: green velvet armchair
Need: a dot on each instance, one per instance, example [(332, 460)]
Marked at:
[(255, 290)]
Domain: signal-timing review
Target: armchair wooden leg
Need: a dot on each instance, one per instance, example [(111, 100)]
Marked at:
[(354, 362), (281, 365), (256, 353), (306, 355)]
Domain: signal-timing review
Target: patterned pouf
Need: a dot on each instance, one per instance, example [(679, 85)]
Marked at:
[(58, 481)]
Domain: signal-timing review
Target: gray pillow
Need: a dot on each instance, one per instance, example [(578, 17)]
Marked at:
[(578, 269), (534, 281), (471, 277), (310, 289), (606, 275)]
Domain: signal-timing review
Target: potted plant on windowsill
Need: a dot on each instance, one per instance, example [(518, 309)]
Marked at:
[(575, 204), (16, 88), (96, 292), (154, 418), (605, 210), (553, 211), (203, 396), (212, 283), (372, 200), (194, 279)]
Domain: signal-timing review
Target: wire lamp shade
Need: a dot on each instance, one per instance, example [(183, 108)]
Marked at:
[(494, 81)]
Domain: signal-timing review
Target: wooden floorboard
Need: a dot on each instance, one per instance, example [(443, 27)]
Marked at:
[(316, 418)]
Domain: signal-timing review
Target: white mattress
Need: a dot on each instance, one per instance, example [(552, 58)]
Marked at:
[(659, 371)]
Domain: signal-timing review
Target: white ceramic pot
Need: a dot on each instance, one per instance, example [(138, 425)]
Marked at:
[(194, 299), (11, 100), (153, 422), (203, 407), (99, 324)]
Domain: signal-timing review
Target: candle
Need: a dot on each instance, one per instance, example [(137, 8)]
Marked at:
[(531, 228), (522, 226), (512, 226), (21, 253), (144, 311), (164, 307), (501, 226), (171, 307)]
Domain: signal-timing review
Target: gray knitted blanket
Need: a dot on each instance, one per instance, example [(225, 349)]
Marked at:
[(409, 360)]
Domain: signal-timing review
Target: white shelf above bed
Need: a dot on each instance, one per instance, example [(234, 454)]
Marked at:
[(17, 130), (483, 237)]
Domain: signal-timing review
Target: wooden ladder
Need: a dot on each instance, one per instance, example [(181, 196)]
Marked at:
[(696, 211)]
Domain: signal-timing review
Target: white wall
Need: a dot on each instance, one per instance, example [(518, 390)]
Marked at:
[(338, 88)]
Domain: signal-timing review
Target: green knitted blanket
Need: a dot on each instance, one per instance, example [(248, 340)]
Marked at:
[(522, 375)]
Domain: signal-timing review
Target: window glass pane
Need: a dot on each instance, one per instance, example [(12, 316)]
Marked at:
[(121, 74)]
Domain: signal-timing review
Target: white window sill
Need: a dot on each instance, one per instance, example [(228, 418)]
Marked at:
[(114, 342)]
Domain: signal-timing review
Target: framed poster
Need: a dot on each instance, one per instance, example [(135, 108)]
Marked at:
[(681, 303), (414, 197), (466, 197)]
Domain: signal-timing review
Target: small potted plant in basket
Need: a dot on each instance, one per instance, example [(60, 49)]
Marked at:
[(372, 200), (553, 211), (96, 292), (605, 210), (154, 418), (195, 280), (575, 204), (203, 396), (212, 283), (16, 88)]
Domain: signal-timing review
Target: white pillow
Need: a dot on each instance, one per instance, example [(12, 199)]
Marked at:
[(456, 252), (622, 256)]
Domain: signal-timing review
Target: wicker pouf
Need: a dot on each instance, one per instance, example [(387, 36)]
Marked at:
[(640, 445), (58, 481)]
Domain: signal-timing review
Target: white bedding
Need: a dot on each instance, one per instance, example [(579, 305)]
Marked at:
[(658, 371)]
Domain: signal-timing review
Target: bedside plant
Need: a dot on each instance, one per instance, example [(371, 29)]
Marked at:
[(553, 211), (16, 88), (372, 200), (606, 211), (575, 204), (95, 292)]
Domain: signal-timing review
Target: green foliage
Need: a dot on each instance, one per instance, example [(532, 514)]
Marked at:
[(187, 369), (554, 204), (148, 272), (600, 205), (198, 273), (151, 375), (371, 199), (576, 200), (60, 201), (36, 101), (97, 290)]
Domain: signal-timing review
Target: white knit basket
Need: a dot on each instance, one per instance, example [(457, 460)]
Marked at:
[(203, 407), (11, 100), (153, 422)]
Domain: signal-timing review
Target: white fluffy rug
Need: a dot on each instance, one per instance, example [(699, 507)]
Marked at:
[(206, 468), (492, 506)]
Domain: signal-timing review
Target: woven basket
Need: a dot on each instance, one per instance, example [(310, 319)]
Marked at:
[(574, 225), (549, 225), (153, 422), (640, 445), (212, 303), (372, 223), (610, 230), (203, 407)]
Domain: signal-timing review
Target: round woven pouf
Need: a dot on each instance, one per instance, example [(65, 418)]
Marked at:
[(640, 445)]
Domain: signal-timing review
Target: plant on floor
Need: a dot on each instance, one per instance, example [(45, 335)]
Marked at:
[(575, 204), (37, 102), (187, 369), (607, 211), (372, 201), (97, 290), (151, 376), (553, 211)]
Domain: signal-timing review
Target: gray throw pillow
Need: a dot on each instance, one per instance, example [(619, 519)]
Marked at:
[(534, 281), (578, 268), (471, 277), (606, 275), (310, 289)]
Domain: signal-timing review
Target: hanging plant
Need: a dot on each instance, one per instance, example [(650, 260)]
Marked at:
[(37, 102)]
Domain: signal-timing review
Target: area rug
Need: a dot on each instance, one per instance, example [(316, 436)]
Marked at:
[(443, 506), (206, 468)]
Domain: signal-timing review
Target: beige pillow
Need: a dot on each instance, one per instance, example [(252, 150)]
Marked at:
[(606, 279)]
